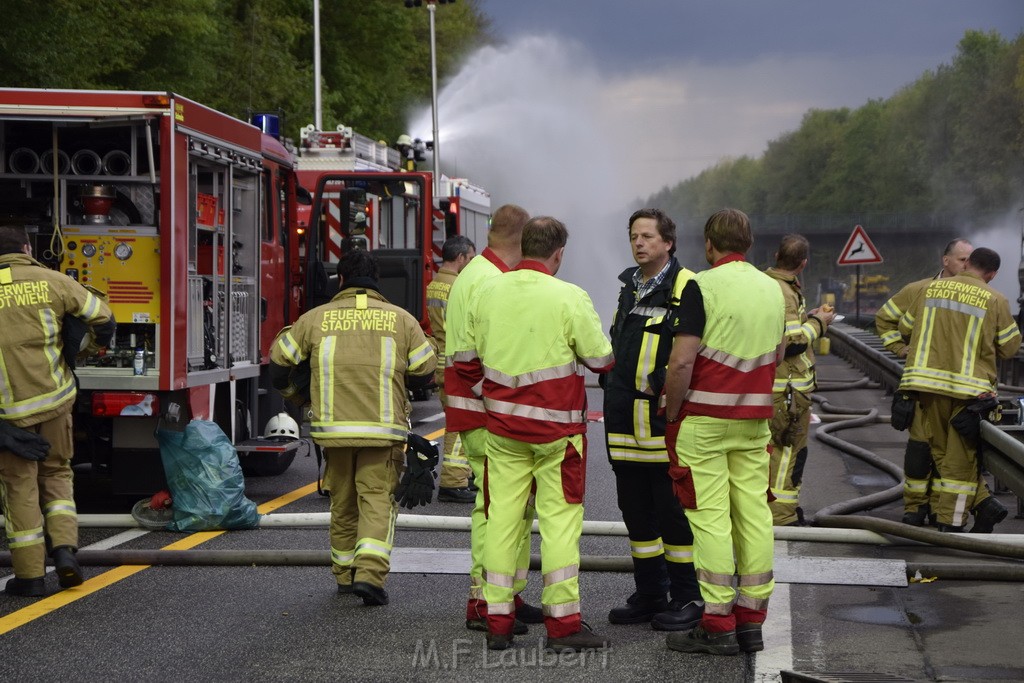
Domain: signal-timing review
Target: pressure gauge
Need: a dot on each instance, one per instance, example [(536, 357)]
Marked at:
[(88, 250), (123, 251)]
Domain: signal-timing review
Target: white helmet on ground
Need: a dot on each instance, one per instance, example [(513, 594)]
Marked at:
[(282, 426)]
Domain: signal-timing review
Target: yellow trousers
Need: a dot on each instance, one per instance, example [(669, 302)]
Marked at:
[(559, 468), (726, 473), (362, 482), (38, 499), (475, 442)]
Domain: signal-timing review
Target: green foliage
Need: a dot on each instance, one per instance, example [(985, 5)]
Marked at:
[(951, 142), (237, 55)]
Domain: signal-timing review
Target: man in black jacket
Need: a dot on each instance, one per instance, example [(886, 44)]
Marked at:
[(660, 539)]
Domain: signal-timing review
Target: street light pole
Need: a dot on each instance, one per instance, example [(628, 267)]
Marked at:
[(432, 8), (317, 113)]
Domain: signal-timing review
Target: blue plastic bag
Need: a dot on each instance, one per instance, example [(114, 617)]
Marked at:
[(205, 479)]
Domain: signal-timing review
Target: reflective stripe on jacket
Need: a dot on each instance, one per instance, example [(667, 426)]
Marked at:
[(796, 370), (437, 311), (887, 319), (534, 335), (360, 348), (634, 430), (464, 409), (35, 382), (734, 371), (958, 328)]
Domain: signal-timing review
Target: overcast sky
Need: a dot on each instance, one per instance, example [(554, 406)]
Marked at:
[(708, 79), (588, 105)]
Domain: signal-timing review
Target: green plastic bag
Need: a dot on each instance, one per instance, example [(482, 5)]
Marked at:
[(205, 479)]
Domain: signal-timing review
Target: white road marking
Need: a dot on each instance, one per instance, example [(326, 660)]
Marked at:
[(778, 632)]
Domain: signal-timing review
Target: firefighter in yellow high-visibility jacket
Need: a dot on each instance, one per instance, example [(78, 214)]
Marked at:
[(464, 411), (37, 395), (531, 337), (794, 381), (919, 493), (958, 328), (360, 348), (718, 400), (456, 253)]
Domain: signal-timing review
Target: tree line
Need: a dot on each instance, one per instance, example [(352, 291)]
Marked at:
[(241, 55), (950, 143)]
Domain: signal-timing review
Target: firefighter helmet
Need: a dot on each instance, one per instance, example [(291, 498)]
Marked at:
[(282, 426)]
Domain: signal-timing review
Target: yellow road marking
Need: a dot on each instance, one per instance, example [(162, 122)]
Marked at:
[(65, 597), (68, 596)]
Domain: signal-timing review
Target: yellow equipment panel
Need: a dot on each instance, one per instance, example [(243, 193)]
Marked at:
[(121, 263)]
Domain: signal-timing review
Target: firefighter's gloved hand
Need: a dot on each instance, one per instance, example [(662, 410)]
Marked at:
[(23, 443), (417, 485), (299, 379), (902, 410)]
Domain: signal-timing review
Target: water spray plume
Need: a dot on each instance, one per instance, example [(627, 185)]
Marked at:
[(526, 122)]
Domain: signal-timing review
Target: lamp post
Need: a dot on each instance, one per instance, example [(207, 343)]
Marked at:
[(432, 8), (317, 107)]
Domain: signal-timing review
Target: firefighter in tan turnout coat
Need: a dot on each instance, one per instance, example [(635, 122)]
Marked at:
[(959, 327), (456, 253), (360, 348), (37, 394)]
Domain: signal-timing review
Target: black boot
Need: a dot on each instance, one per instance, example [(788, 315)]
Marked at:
[(918, 517), (456, 495), (528, 614), (638, 609), (69, 574), (372, 595), (584, 639), (680, 616), (699, 640), (26, 588), (987, 514), (519, 628), (749, 637)]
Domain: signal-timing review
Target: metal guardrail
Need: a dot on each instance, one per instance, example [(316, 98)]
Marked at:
[(1003, 444), (865, 352)]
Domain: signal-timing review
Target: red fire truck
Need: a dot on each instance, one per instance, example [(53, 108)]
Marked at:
[(364, 199), (188, 220), (185, 218)]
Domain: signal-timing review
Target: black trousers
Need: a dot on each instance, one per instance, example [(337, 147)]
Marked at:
[(650, 510)]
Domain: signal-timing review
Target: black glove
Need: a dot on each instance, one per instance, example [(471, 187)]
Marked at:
[(968, 421), (23, 443), (299, 380), (73, 331), (417, 485), (902, 410)]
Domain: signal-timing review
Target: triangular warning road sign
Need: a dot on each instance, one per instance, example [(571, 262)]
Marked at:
[(859, 250)]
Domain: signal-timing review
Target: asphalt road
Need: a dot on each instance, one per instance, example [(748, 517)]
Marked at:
[(200, 623)]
